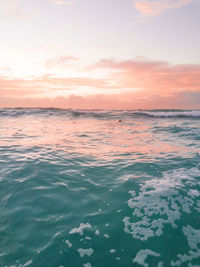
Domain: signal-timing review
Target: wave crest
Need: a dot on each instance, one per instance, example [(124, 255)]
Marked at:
[(99, 114)]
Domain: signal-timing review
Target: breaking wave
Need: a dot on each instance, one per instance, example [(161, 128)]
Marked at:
[(99, 114)]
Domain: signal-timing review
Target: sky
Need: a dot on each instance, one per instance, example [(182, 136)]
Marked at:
[(100, 54)]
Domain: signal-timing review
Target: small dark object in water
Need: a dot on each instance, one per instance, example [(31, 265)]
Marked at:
[(120, 120)]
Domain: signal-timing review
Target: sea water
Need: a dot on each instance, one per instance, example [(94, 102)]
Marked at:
[(99, 188)]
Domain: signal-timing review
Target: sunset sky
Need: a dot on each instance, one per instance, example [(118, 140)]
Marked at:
[(109, 54)]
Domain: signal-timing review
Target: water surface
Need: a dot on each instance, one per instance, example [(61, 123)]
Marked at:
[(80, 188)]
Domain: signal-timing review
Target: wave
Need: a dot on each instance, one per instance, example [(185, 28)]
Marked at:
[(99, 114), (169, 113), (70, 113)]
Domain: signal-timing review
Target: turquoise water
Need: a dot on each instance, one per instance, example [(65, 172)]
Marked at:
[(80, 188)]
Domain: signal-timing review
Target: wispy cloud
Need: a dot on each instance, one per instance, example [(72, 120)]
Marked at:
[(156, 7), (60, 61), (61, 2), (12, 9)]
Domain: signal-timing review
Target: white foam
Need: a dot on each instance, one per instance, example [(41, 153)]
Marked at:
[(159, 203), (193, 239), (88, 238), (87, 265), (112, 251), (27, 263), (143, 254), (68, 243), (132, 193), (185, 258), (106, 236), (80, 229), (126, 177), (189, 113), (198, 205), (193, 193), (85, 252), (97, 232), (193, 236)]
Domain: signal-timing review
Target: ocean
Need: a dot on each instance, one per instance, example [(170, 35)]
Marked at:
[(99, 188)]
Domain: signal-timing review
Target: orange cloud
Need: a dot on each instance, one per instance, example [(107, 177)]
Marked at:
[(153, 8), (77, 82), (155, 77), (13, 87), (133, 83)]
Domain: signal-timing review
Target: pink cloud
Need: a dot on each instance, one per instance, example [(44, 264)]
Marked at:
[(77, 82), (151, 84), (184, 100), (153, 76), (13, 87), (60, 61), (156, 7)]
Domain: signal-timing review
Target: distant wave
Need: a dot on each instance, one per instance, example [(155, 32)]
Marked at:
[(99, 114), (169, 113)]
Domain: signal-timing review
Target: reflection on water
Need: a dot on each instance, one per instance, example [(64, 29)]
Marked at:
[(97, 138)]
